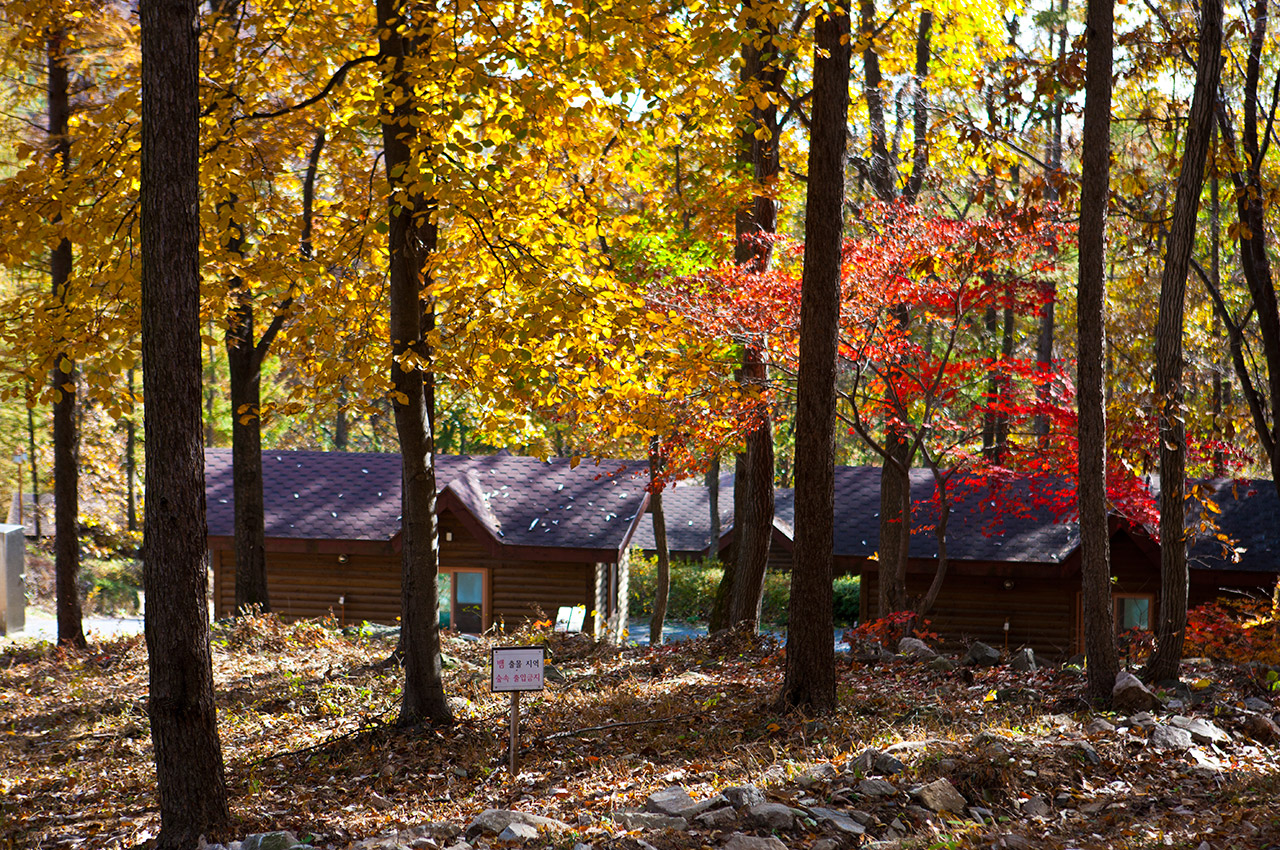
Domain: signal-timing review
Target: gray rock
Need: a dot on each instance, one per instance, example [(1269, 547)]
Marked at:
[(982, 815), (1129, 694), (717, 818), (380, 802), (1024, 660), (876, 788), (494, 821), (982, 655), (422, 844), (888, 765), (1036, 807), (916, 648), (941, 796), (1261, 728), (739, 841), (648, 820), (861, 817), (673, 801), (518, 832), (1098, 726), (825, 844), (582, 846), (1142, 720), (551, 674), (1259, 705), (461, 845), (1201, 730), (942, 664), (270, 841), (818, 774), (839, 820), (1087, 753), (743, 795), (1169, 738), (771, 816)]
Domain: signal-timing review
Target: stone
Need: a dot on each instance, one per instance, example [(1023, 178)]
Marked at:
[(518, 832), (818, 774), (551, 674), (1098, 726), (461, 845), (422, 844), (941, 796), (982, 815), (1169, 738), (1076, 661), (1129, 694), (740, 841), (825, 844), (1142, 720), (270, 841), (1024, 661), (717, 818), (888, 765), (1259, 705), (1261, 728), (771, 816), (1036, 807), (876, 788), (1009, 841), (494, 821), (673, 801), (1087, 753), (648, 820), (1202, 731), (839, 820), (743, 795), (942, 664), (981, 655), (916, 648), (380, 802)]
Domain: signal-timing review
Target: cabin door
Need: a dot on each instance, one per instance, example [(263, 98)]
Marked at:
[(462, 600)]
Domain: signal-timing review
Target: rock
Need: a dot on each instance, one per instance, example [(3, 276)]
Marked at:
[(1024, 660), (981, 655), (270, 841), (743, 795), (1098, 726), (1259, 705), (1129, 694), (942, 664), (648, 820), (771, 816), (865, 761), (818, 774), (825, 844), (982, 815), (1009, 841), (461, 845), (941, 796), (518, 832), (839, 820), (380, 802), (1087, 753), (1201, 730), (888, 765), (673, 801), (861, 817), (1169, 738), (1036, 807), (739, 841), (551, 674), (1261, 728), (494, 821), (876, 788), (916, 648), (717, 818), (1142, 720)]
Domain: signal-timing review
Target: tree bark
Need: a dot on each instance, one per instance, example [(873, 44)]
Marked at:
[(189, 770), (713, 503), (1095, 543), (809, 681), (1169, 389), (131, 460), (66, 436), (755, 523), (35, 471), (411, 238), (663, 589)]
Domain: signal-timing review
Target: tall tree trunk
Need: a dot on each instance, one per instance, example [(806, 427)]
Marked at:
[(66, 436), (1174, 577), (713, 503), (184, 732), (411, 238), (1053, 162), (35, 471), (131, 461), (1095, 542), (809, 681), (663, 588), (755, 523)]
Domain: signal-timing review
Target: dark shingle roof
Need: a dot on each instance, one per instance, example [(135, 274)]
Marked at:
[(686, 507), (1250, 518), (519, 501)]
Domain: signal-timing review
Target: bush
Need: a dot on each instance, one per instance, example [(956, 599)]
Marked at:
[(1236, 630), (111, 587), (694, 584)]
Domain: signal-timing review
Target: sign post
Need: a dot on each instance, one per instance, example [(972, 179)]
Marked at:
[(515, 669)]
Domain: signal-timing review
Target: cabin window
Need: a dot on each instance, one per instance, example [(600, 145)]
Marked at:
[(1133, 611), (462, 600)]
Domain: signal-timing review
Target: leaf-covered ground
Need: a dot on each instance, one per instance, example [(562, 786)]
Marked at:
[(305, 713)]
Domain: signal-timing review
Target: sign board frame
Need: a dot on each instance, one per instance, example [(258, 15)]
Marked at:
[(517, 668)]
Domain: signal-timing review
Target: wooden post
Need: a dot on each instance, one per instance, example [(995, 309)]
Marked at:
[(515, 729)]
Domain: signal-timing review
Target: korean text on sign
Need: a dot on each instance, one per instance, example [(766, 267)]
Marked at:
[(517, 669)]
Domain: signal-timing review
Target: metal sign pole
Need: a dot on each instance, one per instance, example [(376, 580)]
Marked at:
[(515, 729)]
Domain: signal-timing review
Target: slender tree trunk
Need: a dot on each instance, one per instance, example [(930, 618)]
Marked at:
[(663, 589), (1095, 543), (809, 681), (1053, 161), (35, 471), (131, 461), (713, 502), (184, 732), (246, 461), (755, 523), (1174, 576), (66, 436), (411, 238)]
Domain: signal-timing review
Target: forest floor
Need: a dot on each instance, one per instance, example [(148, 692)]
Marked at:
[(307, 712)]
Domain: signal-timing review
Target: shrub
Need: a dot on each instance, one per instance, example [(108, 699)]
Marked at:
[(845, 595), (1236, 630), (111, 587)]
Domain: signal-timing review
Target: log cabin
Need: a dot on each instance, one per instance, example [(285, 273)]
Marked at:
[(519, 537)]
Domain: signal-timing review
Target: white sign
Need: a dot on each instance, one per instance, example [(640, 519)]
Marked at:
[(517, 668)]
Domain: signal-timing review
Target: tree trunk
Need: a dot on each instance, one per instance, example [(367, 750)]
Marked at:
[(724, 591), (189, 771), (246, 458), (35, 471), (895, 523), (1095, 543), (1053, 161), (755, 523), (1174, 577), (663, 589), (411, 237), (66, 436), (131, 461), (810, 665), (713, 502)]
